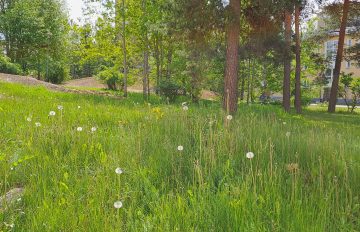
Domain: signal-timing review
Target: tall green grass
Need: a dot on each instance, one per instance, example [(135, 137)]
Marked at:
[(305, 180)]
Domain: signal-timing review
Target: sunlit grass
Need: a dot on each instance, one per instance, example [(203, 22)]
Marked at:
[(185, 170)]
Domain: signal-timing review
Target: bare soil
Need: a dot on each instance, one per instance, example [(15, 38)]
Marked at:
[(76, 85)]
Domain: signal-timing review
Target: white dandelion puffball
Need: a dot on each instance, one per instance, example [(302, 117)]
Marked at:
[(37, 124), (93, 129), (60, 107), (180, 148), (52, 113), (250, 155), (184, 103), (28, 119), (79, 129), (118, 171), (185, 108), (229, 117), (288, 134), (118, 204), (284, 123), (79, 107)]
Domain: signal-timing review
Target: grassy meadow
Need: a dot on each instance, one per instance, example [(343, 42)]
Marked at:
[(304, 176)]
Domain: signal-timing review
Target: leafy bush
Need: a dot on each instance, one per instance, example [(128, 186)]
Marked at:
[(111, 78), (7, 67), (349, 88), (170, 90), (307, 97), (56, 73)]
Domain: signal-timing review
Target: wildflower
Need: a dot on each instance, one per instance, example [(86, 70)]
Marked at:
[(118, 171), (288, 134), (79, 129), (180, 148), (28, 119), (293, 167), (52, 113), (93, 129), (37, 124), (79, 107), (184, 104), (60, 107), (229, 117), (185, 108), (250, 155), (118, 204)]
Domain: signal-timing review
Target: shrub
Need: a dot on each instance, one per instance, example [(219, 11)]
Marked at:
[(111, 78), (56, 73), (349, 88), (7, 67), (170, 90)]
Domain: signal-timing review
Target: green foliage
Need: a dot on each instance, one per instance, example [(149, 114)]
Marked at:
[(111, 77), (170, 90), (7, 67), (56, 72), (349, 86), (35, 32)]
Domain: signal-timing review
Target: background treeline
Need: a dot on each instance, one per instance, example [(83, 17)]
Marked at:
[(177, 47)]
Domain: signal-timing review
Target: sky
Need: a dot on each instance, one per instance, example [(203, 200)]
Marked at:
[(75, 8)]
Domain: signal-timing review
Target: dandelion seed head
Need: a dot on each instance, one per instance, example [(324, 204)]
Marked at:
[(184, 104), (79, 107), (79, 129), (250, 155), (180, 148), (37, 124), (52, 113), (229, 117), (288, 134), (60, 107), (185, 108), (284, 123), (28, 119), (118, 171), (118, 204), (93, 129)]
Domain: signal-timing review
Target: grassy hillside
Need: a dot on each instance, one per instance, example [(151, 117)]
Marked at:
[(304, 175)]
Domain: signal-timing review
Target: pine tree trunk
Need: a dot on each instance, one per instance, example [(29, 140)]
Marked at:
[(157, 61), (146, 59), (242, 90), (145, 75), (195, 73), (248, 82), (287, 62), (168, 65), (298, 62), (232, 59), (124, 50), (339, 57), (252, 81)]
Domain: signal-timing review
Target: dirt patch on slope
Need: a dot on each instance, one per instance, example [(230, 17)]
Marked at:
[(30, 81), (87, 82)]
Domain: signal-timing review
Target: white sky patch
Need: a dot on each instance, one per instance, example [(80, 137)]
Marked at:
[(75, 9)]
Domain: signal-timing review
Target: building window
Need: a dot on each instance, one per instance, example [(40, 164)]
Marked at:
[(328, 74), (349, 43), (331, 50), (348, 64)]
